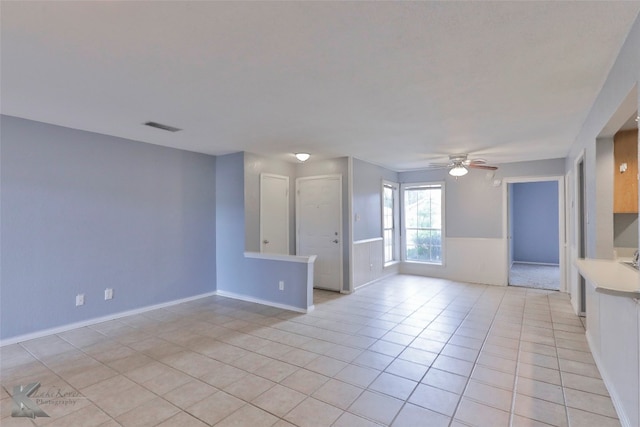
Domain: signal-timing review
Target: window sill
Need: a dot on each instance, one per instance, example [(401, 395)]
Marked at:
[(391, 263), (435, 264)]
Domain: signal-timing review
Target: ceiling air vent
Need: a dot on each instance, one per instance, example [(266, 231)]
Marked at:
[(163, 127)]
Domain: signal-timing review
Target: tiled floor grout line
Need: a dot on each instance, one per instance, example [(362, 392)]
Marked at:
[(251, 329), (122, 373), (48, 367), (475, 362), (562, 380), (512, 409), (468, 378), (418, 382), (154, 359), (425, 327), (221, 390), (254, 352), (564, 394), (440, 352)]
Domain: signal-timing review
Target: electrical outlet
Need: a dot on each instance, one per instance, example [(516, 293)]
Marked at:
[(108, 294), (79, 299), (281, 285)]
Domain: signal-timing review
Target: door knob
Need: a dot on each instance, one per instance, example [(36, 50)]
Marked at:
[(335, 241), (265, 242)]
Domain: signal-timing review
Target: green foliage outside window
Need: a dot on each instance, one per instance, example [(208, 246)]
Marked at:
[(423, 216)]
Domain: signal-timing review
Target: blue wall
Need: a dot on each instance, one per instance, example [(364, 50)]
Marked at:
[(83, 211), (535, 222), (473, 206), (230, 222), (249, 277), (367, 198)]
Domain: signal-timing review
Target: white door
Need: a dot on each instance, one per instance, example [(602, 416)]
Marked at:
[(274, 214), (319, 227)]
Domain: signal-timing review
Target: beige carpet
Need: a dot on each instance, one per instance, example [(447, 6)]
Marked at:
[(535, 276)]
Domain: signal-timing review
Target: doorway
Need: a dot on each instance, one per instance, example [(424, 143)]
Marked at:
[(319, 227), (274, 214), (535, 232), (581, 231)]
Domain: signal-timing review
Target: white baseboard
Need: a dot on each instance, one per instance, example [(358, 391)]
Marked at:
[(263, 302), (377, 279), (96, 320), (467, 259), (536, 263), (622, 416)]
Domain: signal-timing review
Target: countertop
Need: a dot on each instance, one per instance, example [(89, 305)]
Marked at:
[(611, 276)]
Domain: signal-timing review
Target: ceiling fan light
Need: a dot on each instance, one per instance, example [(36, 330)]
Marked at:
[(458, 171), (303, 157)]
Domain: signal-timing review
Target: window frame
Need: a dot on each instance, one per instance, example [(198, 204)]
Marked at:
[(410, 185), (396, 256)]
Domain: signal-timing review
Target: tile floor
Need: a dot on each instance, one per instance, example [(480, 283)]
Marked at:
[(406, 351)]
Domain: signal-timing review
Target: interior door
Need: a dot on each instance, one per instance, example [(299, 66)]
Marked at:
[(319, 227), (274, 214)]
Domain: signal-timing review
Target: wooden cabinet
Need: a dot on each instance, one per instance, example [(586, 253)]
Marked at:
[(625, 183)]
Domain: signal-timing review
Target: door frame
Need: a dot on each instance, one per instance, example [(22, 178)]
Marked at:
[(561, 221), (581, 220), (341, 219), (568, 191), (286, 179)]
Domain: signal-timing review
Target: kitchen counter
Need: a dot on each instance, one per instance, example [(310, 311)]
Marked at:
[(613, 331), (611, 277)]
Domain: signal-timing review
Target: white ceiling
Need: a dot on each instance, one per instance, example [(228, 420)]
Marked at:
[(399, 84)]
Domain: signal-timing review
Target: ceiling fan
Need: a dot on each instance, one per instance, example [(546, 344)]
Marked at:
[(459, 165)]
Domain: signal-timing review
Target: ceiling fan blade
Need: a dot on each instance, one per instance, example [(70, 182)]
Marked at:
[(478, 161), (476, 166), (438, 165)]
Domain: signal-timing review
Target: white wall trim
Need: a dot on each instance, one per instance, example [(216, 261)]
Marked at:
[(537, 263), (96, 320), (363, 241), (391, 269), (246, 298), (305, 259), (377, 279), (368, 263), (351, 243), (578, 234), (471, 260), (568, 246), (397, 243)]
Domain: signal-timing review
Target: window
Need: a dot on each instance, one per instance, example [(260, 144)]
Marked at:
[(423, 217), (390, 232)]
